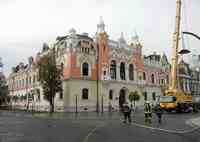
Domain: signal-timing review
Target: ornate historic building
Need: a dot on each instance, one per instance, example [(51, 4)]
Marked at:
[(157, 70), (195, 61), (98, 72), (189, 78), (2, 76)]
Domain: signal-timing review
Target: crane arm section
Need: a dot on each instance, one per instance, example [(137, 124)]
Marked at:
[(192, 34)]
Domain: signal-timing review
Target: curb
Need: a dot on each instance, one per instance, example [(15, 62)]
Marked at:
[(193, 122), (166, 130)]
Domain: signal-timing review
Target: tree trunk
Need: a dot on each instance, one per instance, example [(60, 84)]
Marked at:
[(134, 103), (131, 105), (51, 102)]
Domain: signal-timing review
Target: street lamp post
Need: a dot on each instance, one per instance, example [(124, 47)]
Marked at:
[(76, 100), (97, 73), (102, 106), (27, 96)]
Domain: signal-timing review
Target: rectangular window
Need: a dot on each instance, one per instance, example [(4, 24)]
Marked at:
[(111, 95), (154, 96), (61, 95), (85, 94), (144, 76), (145, 96)]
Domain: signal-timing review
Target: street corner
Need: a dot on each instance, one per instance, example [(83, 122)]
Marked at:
[(194, 122)]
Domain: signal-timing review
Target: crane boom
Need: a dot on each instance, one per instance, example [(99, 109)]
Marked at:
[(178, 97), (173, 83), (192, 34)]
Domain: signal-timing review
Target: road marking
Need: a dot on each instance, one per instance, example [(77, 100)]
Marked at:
[(165, 130), (92, 132)]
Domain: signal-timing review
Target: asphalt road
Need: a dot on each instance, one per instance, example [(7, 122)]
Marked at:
[(25, 127)]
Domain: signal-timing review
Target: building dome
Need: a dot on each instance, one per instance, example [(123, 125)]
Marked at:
[(72, 31)]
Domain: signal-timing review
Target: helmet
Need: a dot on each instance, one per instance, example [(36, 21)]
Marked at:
[(147, 102)]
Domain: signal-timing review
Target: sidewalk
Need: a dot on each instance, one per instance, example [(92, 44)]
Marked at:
[(195, 121)]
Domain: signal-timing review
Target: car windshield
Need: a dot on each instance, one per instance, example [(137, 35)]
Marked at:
[(166, 99)]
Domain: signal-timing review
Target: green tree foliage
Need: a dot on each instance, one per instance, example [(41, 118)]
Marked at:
[(133, 97), (50, 76), (3, 91)]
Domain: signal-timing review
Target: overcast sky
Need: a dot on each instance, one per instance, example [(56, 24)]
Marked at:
[(26, 24)]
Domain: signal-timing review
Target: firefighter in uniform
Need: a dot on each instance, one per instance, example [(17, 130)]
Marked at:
[(126, 112)]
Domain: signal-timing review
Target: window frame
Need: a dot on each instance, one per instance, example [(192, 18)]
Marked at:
[(85, 69)]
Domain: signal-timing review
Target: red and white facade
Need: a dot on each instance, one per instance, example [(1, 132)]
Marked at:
[(98, 72)]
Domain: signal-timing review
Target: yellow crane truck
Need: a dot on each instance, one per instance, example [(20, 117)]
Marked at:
[(174, 98), (179, 102)]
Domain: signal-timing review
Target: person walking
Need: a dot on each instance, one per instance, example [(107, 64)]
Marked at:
[(126, 112), (147, 112), (159, 113)]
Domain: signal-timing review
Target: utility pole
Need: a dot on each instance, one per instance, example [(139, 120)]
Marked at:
[(97, 62), (76, 100)]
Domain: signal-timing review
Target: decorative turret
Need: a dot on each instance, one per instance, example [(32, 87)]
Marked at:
[(135, 40), (101, 26), (45, 47), (72, 31), (121, 39)]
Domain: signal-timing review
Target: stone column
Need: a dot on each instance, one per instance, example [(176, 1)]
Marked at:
[(127, 72)]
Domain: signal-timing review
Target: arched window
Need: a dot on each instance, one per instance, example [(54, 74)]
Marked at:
[(131, 72), (110, 94), (85, 94), (85, 69), (122, 71), (113, 69), (152, 79)]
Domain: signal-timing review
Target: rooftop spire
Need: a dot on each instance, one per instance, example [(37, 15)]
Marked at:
[(121, 39), (135, 38), (101, 26)]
